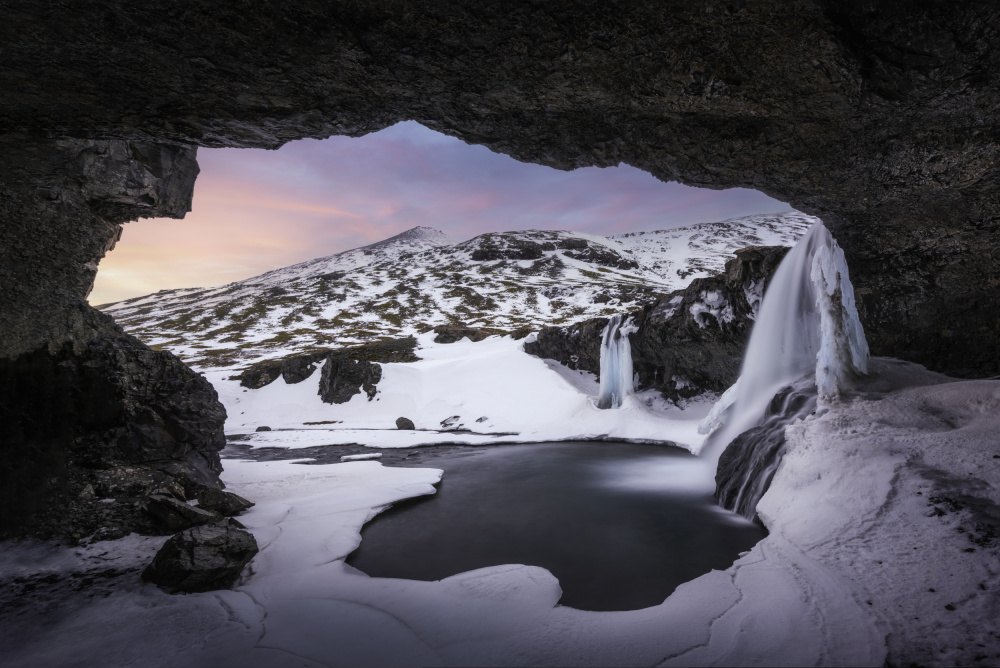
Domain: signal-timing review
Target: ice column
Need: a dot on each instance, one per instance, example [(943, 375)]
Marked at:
[(616, 363), (808, 323)]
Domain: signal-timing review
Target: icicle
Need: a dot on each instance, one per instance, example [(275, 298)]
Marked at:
[(616, 363)]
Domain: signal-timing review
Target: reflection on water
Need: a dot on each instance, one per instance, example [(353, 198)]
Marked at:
[(620, 525)]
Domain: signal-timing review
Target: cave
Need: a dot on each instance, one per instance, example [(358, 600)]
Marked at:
[(879, 118)]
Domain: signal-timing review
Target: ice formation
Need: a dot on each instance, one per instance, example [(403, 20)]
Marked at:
[(808, 323), (616, 363)]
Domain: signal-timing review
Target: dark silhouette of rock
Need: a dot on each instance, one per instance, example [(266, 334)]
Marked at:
[(689, 341), (457, 332), (219, 501), (299, 366), (263, 427), (203, 558), (405, 423), (173, 515), (343, 377)]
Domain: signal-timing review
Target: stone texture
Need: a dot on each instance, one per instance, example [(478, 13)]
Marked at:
[(224, 503), (878, 116), (405, 423), (344, 377), (109, 413), (203, 558), (173, 515), (680, 347), (457, 332)]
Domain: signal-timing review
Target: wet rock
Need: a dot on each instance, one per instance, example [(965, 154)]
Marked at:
[(405, 423), (203, 558), (172, 515), (688, 342)]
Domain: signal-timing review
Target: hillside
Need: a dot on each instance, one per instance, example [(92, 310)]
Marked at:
[(420, 278)]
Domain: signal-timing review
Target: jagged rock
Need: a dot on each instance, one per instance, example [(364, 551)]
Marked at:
[(687, 342), (297, 369), (203, 558), (224, 503), (109, 413), (693, 340), (260, 374), (457, 332), (577, 346), (343, 377), (405, 423), (173, 515)]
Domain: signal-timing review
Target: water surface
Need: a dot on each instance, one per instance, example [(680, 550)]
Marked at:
[(620, 525)]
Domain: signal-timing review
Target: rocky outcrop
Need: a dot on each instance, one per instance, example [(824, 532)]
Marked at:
[(457, 332), (577, 346), (343, 377), (202, 558), (693, 340), (110, 416), (688, 342)]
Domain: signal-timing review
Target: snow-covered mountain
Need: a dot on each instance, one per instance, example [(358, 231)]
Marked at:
[(418, 279)]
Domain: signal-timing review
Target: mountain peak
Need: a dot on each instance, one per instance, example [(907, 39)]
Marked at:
[(425, 236)]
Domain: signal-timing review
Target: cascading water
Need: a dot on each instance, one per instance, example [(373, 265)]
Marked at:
[(807, 328), (616, 363)]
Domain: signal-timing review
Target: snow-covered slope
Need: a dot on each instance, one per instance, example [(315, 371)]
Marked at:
[(418, 279)]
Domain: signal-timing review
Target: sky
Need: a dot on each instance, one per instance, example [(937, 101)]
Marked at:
[(256, 210)]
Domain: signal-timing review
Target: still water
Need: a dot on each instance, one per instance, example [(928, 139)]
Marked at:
[(620, 525)]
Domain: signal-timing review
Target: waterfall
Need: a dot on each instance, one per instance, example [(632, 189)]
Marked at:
[(616, 363), (807, 328)]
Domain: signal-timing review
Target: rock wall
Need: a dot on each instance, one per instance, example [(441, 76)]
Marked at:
[(88, 412), (688, 342), (878, 116)]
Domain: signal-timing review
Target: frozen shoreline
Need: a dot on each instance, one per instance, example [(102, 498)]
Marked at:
[(864, 517)]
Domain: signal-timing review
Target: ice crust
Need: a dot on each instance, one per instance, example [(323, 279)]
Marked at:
[(843, 578)]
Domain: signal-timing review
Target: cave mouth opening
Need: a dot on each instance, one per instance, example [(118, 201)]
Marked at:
[(256, 210)]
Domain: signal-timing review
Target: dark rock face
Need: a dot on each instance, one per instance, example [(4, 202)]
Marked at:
[(110, 414), (344, 377), (577, 346), (693, 340), (300, 366), (202, 558), (880, 117), (689, 341), (405, 423)]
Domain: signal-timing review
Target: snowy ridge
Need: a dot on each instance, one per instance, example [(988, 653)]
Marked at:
[(418, 279)]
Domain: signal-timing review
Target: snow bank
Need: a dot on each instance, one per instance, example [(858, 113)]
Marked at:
[(879, 550), (498, 393)]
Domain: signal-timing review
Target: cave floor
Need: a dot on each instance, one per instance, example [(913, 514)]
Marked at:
[(882, 546)]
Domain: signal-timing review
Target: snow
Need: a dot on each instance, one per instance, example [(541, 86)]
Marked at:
[(843, 578), (523, 398)]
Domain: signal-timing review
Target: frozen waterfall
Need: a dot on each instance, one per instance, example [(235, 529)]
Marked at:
[(808, 324), (616, 363)]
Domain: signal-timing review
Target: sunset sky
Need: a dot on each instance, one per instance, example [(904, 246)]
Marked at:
[(258, 210)]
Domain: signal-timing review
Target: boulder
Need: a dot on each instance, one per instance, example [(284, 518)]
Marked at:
[(221, 502), (343, 377), (263, 427), (202, 558), (172, 515), (405, 423)]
